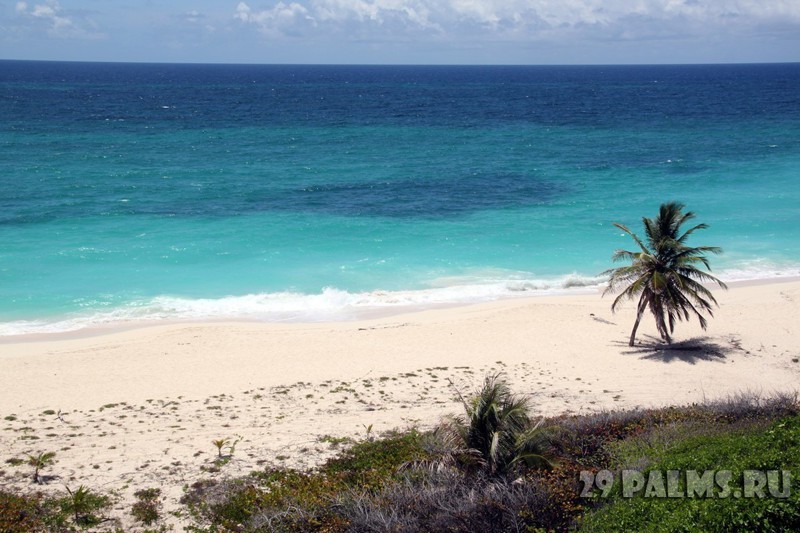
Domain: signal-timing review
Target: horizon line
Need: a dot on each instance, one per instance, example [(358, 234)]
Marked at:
[(482, 65)]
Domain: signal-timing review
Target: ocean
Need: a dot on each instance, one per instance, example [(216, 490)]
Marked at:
[(146, 192)]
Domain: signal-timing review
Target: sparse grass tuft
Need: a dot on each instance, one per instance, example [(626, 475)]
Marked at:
[(147, 507)]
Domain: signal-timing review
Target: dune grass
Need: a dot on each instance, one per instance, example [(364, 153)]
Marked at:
[(415, 480)]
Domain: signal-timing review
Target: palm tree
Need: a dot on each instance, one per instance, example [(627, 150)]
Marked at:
[(219, 444), (40, 461), (665, 272), (82, 503), (498, 430)]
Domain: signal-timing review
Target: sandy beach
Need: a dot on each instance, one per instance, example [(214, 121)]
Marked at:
[(137, 408)]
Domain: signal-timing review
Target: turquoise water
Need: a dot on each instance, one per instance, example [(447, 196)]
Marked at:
[(320, 193)]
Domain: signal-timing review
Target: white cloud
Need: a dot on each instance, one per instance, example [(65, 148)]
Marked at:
[(521, 18), (441, 31), (286, 19), (379, 11), (43, 11), (59, 23), (242, 12)]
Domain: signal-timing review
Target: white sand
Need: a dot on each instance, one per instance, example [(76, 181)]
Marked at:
[(139, 408)]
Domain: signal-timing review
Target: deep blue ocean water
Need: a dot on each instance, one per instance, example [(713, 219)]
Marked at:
[(132, 191)]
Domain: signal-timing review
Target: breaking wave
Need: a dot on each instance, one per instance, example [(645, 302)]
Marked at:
[(331, 304)]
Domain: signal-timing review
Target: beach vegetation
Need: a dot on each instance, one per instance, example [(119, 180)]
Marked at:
[(399, 480), (147, 508), (665, 273), (368, 431), (219, 444), (84, 504), (775, 447), (76, 511), (283, 499), (21, 513), (40, 461), (334, 441), (496, 432)]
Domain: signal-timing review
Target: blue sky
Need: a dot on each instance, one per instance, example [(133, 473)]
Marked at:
[(403, 31)]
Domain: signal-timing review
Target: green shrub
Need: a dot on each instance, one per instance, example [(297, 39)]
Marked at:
[(290, 500), (20, 514), (287, 500), (83, 504), (147, 507), (775, 448), (409, 481), (373, 463)]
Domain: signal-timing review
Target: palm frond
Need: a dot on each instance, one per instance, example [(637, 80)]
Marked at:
[(635, 237), (496, 429), (691, 230)]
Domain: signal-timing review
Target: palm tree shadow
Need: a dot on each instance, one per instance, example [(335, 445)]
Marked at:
[(689, 351)]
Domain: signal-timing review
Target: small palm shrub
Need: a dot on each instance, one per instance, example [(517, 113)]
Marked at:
[(496, 433), (84, 504), (40, 461), (219, 444)]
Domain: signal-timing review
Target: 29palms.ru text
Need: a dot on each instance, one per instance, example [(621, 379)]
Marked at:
[(688, 484)]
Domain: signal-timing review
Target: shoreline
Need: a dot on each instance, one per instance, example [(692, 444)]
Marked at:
[(375, 313), (113, 348), (140, 407)]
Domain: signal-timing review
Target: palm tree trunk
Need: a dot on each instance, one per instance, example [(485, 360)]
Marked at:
[(639, 312), (635, 327)]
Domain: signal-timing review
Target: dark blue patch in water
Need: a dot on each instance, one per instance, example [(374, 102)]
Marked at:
[(414, 197)]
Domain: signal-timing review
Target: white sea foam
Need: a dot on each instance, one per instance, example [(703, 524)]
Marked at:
[(332, 304), (759, 270), (328, 305)]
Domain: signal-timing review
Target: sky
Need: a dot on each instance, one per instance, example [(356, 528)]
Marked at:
[(528, 32)]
